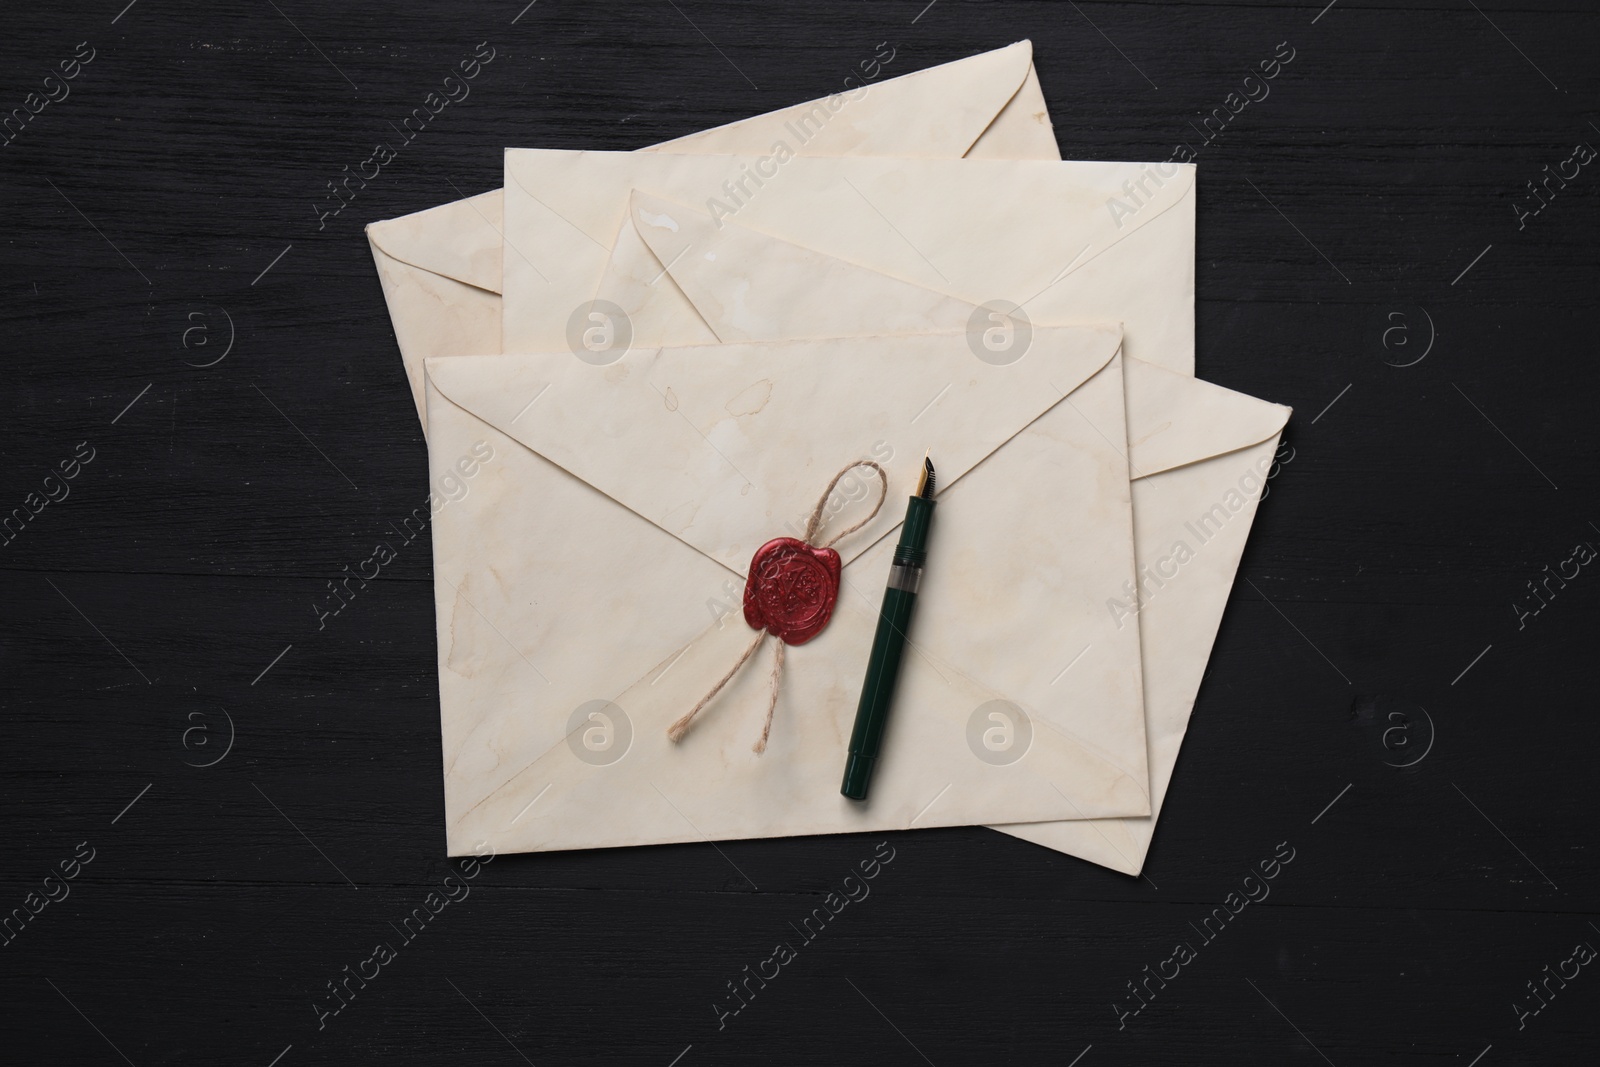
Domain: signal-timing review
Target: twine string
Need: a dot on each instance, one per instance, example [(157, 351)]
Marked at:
[(815, 522)]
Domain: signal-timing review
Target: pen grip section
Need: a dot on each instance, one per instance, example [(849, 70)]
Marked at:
[(913, 544)]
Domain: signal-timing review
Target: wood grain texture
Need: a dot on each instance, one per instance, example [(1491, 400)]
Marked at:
[(174, 587)]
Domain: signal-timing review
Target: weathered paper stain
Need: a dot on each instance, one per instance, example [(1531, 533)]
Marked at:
[(1161, 429), (751, 399), (467, 653), (660, 222)]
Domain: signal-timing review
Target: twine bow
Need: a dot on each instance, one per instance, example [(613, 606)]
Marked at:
[(676, 731)]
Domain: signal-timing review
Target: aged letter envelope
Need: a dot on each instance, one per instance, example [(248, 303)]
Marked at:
[(1198, 455), (623, 497), (440, 268)]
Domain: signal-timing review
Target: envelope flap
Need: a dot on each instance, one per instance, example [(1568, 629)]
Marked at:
[(1054, 237), (938, 112), (728, 446), (1174, 420), (751, 286), (1119, 200), (460, 240)]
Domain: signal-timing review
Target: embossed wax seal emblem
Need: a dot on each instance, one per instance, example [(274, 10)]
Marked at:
[(791, 589)]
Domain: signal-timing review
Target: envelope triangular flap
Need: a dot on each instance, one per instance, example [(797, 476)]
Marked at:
[(1053, 217), (938, 112), (728, 446), (1174, 420), (747, 283), (460, 240), (1022, 130), (751, 286), (658, 311), (1083, 209)]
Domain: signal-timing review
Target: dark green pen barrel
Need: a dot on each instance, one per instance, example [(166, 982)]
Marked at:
[(888, 648)]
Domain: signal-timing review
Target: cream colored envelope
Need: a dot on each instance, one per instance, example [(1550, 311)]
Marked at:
[(440, 268), (1047, 236), (1199, 454), (581, 586), (1198, 458)]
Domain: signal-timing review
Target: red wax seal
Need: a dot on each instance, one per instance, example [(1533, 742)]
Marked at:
[(791, 589)]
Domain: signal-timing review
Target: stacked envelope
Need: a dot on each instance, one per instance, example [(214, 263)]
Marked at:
[(642, 366)]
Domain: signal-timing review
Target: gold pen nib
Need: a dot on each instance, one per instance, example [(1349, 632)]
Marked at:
[(926, 478)]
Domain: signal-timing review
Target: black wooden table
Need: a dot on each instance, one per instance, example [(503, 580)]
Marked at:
[(216, 806)]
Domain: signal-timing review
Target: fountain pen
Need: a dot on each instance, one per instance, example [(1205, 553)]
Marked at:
[(889, 642)]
